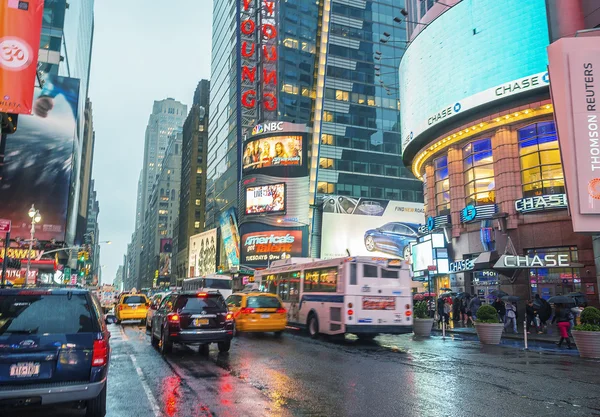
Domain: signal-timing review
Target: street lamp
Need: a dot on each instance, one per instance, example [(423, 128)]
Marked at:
[(36, 217)]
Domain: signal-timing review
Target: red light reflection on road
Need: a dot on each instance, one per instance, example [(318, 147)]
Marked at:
[(170, 394)]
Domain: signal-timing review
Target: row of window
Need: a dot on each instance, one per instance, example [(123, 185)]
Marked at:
[(360, 143), (541, 169), (364, 99), (370, 192), (362, 167), (386, 121)]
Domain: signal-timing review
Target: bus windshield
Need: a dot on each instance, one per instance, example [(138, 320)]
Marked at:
[(217, 284)]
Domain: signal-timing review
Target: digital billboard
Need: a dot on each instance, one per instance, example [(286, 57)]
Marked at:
[(273, 151), (166, 253), (265, 199), (367, 227), (39, 161), (203, 253), (472, 54), (230, 236), (272, 245), (422, 256)]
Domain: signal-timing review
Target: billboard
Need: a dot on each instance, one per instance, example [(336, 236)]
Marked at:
[(271, 245), (575, 72), (265, 199), (203, 253), (166, 253), (273, 151), (230, 237), (367, 227), (39, 159), (479, 67), (20, 28)]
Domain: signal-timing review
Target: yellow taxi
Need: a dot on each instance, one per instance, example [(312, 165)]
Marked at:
[(257, 312), (132, 306)]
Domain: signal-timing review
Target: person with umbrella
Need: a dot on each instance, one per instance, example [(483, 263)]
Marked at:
[(563, 317), (531, 312), (500, 309), (474, 305), (511, 315), (544, 310)]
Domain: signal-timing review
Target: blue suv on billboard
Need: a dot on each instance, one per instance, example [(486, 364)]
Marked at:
[(393, 238)]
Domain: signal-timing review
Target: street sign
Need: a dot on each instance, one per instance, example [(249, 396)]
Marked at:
[(5, 226)]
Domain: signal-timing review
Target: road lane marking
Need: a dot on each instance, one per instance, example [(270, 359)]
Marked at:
[(125, 337), (151, 398)]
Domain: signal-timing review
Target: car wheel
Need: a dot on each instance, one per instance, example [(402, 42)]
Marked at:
[(97, 406), (224, 346), (166, 346), (370, 243), (153, 340), (144, 322), (204, 349), (313, 326)]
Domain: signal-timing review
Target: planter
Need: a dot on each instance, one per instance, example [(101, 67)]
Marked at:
[(489, 333), (422, 327), (588, 343)]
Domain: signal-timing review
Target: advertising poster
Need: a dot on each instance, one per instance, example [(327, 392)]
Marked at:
[(203, 253), (20, 28), (166, 252), (368, 227), (39, 159), (230, 236), (265, 199), (268, 246), (273, 151)]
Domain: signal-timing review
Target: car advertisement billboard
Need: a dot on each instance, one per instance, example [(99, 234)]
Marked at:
[(166, 253), (203, 253), (230, 237), (20, 27), (267, 246), (39, 159), (265, 199), (367, 227), (273, 151)]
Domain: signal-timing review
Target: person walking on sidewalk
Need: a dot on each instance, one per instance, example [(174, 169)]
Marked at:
[(531, 312), (456, 311), (447, 309), (500, 309), (440, 311), (562, 316), (431, 307), (511, 317), (474, 305)]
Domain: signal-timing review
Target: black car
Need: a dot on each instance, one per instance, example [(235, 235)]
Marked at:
[(195, 318), (54, 348)]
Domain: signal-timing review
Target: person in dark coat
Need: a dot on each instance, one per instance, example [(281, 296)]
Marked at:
[(563, 320), (544, 310), (531, 312), (500, 309), (440, 308), (456, 310)]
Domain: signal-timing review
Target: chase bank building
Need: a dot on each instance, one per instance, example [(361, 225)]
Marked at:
[(478, 130)]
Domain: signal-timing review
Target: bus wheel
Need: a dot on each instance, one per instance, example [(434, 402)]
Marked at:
[(313, 326), (366, 336)]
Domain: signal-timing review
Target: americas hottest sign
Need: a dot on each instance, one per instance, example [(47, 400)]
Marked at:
[(271, 245)]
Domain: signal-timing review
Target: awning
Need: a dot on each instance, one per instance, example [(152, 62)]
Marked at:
[(485, 260)]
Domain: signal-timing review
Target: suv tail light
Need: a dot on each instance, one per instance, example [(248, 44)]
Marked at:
[(247, 310), (229, 317), (100, 353), (281, 310), (120, 307), (201, 295), (173, 318)]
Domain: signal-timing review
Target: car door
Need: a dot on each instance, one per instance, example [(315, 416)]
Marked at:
[(160, 314), (234, 303)]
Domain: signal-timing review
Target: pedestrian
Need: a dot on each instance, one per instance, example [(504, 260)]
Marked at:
[(474, 305), (447, 309), (456, 310), (562, 317), (544, 311), (463, 312), (431, 307), (531, 313), (500, 309), (440, 310), (510, 317)]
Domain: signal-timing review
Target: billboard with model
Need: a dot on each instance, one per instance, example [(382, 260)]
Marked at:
[(367, 227), (203, 253), (166, 251), (273, 151), (39, 161), (230, 236)]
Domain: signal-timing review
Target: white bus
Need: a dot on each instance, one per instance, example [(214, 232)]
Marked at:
[(223, 283), (361, 295)]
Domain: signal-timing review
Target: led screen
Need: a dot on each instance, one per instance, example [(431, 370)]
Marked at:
[(273, 151), (422, 256), (475, 46), (265, 199)]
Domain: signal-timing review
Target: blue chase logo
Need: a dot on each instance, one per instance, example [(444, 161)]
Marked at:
[(430, 223), (469, 213), (546, 78), (457, 107)]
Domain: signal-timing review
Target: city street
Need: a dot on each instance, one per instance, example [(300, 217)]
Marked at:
[(393, 376)]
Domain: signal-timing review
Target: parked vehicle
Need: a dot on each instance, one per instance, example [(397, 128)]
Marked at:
[(393, 238), (257, 312), (54, 348), (154, 303), (132, 307), (191, 317)]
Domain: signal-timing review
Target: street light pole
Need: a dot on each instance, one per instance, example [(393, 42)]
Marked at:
[(35, 218)]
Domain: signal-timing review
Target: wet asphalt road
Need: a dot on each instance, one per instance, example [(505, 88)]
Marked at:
[(392, 376)]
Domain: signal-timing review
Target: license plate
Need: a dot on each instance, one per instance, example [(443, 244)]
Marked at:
[(265, 316), (25, 369), (200, 322)]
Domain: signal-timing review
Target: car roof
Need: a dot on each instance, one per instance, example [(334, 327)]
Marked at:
[(255, 293), (51, 290)]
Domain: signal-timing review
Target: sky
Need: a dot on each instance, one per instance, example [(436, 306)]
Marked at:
[(142, 51)]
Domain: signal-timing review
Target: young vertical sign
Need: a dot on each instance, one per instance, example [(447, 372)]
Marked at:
[(20, 27)]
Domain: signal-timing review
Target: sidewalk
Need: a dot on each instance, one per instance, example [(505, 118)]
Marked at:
[(550, 336)]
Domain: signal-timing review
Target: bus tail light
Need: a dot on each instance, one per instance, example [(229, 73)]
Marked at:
[(247, 310), (350, 312), (408, 313), (281, 310)]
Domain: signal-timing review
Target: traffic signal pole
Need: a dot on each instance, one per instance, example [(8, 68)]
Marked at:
[(5, 258)]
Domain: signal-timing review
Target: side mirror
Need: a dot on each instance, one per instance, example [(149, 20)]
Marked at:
[(110, 319)]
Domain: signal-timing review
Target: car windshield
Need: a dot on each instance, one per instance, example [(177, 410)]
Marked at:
[(134, 299), (263, 301), (45, 314), (199, 303)]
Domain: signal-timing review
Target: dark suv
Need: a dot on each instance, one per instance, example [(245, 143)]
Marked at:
[(196, 318), (54, 348)]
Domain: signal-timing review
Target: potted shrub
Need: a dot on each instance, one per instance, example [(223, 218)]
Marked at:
[(422, 323), (587, 334), (487, 326)]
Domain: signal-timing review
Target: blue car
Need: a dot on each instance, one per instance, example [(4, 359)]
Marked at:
[(393, 238), (54, 348)]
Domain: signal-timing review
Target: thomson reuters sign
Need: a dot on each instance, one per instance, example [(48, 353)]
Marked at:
[(268, 246), (575, 73)]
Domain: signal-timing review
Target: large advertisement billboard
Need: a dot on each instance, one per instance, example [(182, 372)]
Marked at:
[(273, 151), (267, 246), (39, 159), (471, 55), (20, 27), (367, 227), (230, 236), (575, 71), (265, 199), (203, 253), (166, 253)]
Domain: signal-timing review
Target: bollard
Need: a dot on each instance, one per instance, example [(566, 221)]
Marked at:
[(525, 333)]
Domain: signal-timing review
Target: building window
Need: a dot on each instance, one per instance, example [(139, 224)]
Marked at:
[(197, 201), (326, 163), (541, 169), (548, 282), (478, 165), (325, 188), (442, 186), (198, 170), (327, 139), (196, 225)]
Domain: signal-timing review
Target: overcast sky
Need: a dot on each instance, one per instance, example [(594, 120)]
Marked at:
[(143, 51)]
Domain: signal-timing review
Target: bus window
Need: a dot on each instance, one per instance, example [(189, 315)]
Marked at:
[(217, 284), (270, 284), (288, 286), (369, 271), (352, 274), (387, 273), (321, 280)]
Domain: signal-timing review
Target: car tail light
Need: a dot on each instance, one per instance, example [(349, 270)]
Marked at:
[(100, 353), (229, 317), (247, 310), (120, 307), (173, 318), (281, 310), (408, 313), (147, 305), (350, 312), (201, 295)]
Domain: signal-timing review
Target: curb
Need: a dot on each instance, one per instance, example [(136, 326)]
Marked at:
[(507, 336)]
